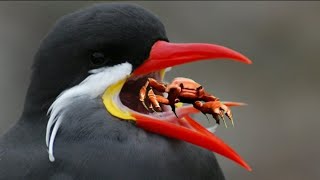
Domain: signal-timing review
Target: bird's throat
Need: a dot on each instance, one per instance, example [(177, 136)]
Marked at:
[(112, 102)]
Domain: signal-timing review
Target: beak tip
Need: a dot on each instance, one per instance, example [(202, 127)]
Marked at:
[(248, 168), (249, 61), (245, 60)]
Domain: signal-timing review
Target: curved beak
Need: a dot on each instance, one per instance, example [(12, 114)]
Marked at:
[(187, 129), (164, 54)]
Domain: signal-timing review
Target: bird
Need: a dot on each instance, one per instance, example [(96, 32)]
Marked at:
[(82, 118)]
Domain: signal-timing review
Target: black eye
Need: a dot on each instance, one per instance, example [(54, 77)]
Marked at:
[(97, 59)]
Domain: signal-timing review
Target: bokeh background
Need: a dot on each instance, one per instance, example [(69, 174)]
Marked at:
[(277, 133)]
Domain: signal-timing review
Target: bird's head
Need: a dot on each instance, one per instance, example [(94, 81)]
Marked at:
[(107, 52)]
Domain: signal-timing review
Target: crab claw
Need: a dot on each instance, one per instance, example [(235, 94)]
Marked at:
[(154, 103), (230, 104), (142, 95), (216, 117), (229, 115), (226, 110), (224, 121), (217, 109)]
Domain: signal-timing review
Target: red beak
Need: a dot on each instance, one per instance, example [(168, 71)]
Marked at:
[(163, 55)]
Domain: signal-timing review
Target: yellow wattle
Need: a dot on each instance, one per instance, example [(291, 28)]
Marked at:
[(108, 101), (162, 73)]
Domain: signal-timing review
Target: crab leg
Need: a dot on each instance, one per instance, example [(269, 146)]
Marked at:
[(216, 108), (153, 99), (229, 115), (151, 95), (161, 87), (151, 108), (142, 94), (224, 121), (162, 100), (208, 97)]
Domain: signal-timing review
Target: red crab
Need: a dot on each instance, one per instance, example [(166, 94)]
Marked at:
[(187, 91)]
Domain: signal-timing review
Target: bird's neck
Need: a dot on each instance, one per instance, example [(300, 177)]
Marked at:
[(38, 100), (36, 105), (45, 86)]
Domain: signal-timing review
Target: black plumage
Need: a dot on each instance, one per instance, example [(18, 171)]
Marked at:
[(92, 144)]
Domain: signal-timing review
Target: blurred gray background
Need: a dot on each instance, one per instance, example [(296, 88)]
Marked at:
[(277, 133)]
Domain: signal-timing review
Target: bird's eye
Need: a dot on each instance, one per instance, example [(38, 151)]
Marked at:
[(97, 59)]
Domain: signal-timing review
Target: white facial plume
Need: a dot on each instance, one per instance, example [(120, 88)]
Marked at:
[(92, 87)]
